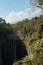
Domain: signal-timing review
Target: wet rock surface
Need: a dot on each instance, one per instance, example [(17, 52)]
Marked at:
[(12, 49)]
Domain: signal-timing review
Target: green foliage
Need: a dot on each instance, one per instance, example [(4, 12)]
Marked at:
[(4, 30), (32, 32), (37, 45), (38, 3), (36, 55)]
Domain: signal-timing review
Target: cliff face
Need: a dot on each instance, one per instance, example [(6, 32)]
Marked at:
[(0, 55), (11, 49)]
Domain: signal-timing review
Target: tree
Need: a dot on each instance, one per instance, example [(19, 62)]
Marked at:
[(38, 3), (2, 21)]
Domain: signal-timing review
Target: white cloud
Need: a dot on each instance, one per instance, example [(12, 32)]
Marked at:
[(29, 13), (35, 13)]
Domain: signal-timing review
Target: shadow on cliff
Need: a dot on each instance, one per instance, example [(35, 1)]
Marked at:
[(12, 49)]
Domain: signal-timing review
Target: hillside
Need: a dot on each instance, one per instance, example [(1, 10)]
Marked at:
[(29, 28), (22, 42), (10, 44), (31, 34)]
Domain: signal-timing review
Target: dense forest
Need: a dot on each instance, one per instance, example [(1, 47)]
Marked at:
[(31, 33), (10, 44), (29, 44)]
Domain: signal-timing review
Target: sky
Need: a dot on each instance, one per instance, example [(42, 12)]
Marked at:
[(7, 6), (16, 10)]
